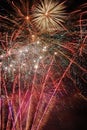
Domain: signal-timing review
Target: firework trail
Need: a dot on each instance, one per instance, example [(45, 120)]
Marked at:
[(40, 62)]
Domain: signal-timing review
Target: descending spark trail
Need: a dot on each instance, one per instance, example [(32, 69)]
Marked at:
[(38, 69), (29, 117), (42, 91), (20, 109), (54, 93)]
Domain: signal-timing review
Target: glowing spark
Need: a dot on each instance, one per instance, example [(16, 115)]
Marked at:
[(44, 48), (55, 53), (36, 66), (20, 51), (40, 57), (33, 36), (11, 65), (48, 16), (6, 68), (27, 18), (34, 61), (38, 42), (23, 64), (1, 56)]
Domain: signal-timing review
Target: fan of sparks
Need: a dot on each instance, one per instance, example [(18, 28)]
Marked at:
[(48, 16)]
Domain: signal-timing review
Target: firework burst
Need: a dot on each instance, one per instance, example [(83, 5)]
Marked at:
[(48, 16)]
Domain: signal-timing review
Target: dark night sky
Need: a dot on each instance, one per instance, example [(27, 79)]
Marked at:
[(73, 116), (71, 4)]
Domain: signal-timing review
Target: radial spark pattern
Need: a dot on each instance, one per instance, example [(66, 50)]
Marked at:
[(48, 16)]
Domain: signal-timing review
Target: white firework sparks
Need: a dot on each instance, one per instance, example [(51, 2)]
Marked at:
[(48, 16)]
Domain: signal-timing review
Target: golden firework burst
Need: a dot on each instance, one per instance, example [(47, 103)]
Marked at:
[(48, 16)]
